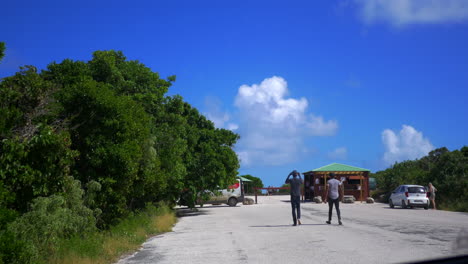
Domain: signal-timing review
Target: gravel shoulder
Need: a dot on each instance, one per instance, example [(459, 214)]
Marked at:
[(262, 233)]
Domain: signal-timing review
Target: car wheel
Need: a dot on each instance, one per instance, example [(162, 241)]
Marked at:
[(403, 205), (390, 203), (426, 207), (232, 201)]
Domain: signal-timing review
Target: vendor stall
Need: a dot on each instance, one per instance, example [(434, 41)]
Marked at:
[(354, 180)]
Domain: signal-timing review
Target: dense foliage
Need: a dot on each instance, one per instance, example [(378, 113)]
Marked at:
[(85, 144), (446, 170), (2, 50)]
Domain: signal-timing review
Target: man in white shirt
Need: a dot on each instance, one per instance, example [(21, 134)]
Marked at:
[(332, 196)]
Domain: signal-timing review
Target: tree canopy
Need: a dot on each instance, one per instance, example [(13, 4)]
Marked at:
[(2, 50), (105, 129), (255, 183), (447, 170)]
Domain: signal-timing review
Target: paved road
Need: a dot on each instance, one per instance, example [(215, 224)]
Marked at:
[(262, 233)]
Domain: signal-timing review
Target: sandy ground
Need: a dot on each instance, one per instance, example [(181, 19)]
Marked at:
[(262, 233)]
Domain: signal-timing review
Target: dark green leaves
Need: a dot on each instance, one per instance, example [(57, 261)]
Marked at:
[(2, 50), (107, 123)]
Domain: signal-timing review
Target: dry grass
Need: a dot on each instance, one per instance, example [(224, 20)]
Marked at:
[(114, 245), (75, 259), (164, 223)]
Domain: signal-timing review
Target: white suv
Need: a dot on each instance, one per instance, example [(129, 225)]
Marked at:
[(231, 196), (409, 196)]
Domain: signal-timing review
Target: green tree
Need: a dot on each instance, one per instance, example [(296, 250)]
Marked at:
[(35, 167), (284, 191), (85, 143), (35, 154), (255, 183), (447, 170), (113, 127), (119, 132), (108, 131), (2, 50), (25, 101), (450, 176), (211, 161)]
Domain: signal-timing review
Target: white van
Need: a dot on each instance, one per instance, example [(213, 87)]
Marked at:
[(231, 196)]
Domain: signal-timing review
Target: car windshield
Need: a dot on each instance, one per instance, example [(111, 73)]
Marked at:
[(416, 190)]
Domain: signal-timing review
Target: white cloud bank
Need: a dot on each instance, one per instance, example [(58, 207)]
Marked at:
[(338, 154), (406, 12), (272, 126), (408, 144), (219, 117)]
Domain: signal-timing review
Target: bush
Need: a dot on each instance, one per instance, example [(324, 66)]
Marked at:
[(126, 236), (36, 233), (381, 196), (15, 251), (445, 169)]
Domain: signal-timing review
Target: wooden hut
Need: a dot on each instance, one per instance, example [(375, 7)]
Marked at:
[(354, 180)]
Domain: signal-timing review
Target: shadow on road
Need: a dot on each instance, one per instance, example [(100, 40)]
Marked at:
[(218, 205), (286, 225), (399, 208), (184, 212), (302, 202)]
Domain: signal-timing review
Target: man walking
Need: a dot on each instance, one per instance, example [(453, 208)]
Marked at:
[(295, 185), (332, 195)]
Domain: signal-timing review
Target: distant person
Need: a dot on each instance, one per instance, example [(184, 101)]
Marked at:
[(295, 187), (432, 191), (332, 195)]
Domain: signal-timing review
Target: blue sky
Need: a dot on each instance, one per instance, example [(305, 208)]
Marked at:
[(304, 83)]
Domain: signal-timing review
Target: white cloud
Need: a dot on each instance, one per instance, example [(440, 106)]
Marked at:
[(318, 127), (232, 126), (405, 12), (408, 144), (273, 127), (338, 154), (219, 117)]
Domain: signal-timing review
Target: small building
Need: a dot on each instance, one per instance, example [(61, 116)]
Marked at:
[(354, 180), (243, 182)]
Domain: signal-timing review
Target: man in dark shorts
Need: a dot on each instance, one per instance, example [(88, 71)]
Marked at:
[(295, 184), (332, 196)]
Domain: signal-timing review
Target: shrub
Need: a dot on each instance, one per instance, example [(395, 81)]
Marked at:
[(15, 251), (50, 220), (126, 236)]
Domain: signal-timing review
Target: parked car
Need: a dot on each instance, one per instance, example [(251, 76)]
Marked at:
[(409, 196), (231, 196)]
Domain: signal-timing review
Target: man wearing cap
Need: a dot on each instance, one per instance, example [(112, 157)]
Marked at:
[(295, 188), (332, 196)]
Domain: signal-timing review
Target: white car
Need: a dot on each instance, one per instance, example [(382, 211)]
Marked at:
[(409, 196), (230, 196)]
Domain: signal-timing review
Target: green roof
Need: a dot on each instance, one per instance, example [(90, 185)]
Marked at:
[(338, 167), (244, 179)]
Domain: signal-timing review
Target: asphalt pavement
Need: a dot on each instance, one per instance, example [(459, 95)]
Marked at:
[(263, 233)]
